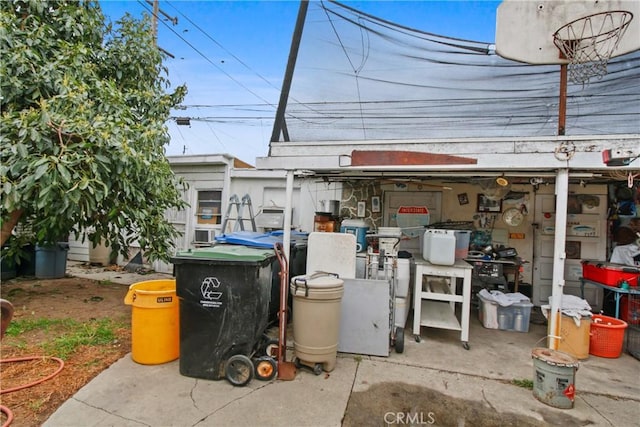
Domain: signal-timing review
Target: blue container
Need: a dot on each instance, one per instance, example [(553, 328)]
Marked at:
[(51, 260), (359, 228)]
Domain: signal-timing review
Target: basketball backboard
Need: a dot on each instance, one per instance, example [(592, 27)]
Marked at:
[(525, 28)]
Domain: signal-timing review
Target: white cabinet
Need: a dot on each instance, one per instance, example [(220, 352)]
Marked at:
[(436, 296)]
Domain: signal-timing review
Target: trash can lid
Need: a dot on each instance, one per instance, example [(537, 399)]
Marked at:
[(554, 357), (226, 253), (318, 281)]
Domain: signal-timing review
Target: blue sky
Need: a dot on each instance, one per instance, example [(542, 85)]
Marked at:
[(232, 56)]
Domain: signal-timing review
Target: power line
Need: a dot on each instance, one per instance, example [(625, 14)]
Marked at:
[(239, 60), (206, 58), (223, 48)]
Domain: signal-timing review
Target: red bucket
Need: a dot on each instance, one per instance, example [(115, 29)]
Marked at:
[(607, 336)]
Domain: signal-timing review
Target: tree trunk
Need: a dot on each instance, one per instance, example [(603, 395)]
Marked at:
[(7, 226)]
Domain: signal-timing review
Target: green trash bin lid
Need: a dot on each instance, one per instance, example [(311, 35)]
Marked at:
[(227, 253)]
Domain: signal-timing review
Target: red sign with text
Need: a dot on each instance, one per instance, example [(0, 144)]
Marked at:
[(413, 210)]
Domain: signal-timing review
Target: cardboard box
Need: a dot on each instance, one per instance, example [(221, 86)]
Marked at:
[(610, 274)]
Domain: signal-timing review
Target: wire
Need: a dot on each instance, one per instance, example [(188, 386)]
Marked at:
[(223, 48), (206, 58), (237, 59)]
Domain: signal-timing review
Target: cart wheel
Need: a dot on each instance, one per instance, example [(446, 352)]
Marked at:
[(297, 363), (399, 340), (270, 348), (417, 338), (465, 345), (266, 368), (238, 370), (317, 368)]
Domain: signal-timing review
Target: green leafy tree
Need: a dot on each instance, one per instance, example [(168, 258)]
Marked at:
[(82, 139)]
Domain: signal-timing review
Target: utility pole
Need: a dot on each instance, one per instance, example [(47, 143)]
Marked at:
[(154, 22), (156, 9)]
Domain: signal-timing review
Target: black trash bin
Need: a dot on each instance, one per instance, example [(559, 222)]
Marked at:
[(224, 294)]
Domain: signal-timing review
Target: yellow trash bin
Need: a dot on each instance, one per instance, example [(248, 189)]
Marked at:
[(155, 321)]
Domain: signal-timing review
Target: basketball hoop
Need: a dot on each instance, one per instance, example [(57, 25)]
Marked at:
[(589, 42)]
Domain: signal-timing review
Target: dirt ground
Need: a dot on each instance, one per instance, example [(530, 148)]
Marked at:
[(79, 299), (414, 405)]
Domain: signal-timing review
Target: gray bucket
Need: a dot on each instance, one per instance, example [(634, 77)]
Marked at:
[(554, 375)]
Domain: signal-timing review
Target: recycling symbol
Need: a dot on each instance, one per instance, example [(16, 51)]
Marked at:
[(208, 288)]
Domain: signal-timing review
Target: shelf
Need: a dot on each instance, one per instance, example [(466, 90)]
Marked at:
[(437, 314), (436, 295), (456, 270), (436, 286)]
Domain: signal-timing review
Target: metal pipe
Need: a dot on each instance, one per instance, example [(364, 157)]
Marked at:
[(288, 206), (559, 255)]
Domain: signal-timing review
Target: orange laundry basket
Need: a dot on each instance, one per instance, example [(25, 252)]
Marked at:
[(607, 336)]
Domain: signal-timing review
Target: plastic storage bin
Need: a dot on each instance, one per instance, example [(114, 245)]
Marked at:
[(155, 321), (514, 317), (224, 294), (462, 243), (610, 274)]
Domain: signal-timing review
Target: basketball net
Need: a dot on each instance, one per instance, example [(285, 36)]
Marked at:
[(589, 42)]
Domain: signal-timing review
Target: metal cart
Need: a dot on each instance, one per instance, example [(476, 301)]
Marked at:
[(382, 264)]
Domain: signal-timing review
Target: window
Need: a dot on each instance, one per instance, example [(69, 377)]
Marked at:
[(209, 204)]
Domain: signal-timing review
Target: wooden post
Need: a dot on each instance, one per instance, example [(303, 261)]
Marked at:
[(562, 103)]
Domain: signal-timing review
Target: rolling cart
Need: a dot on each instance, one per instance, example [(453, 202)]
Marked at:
[(383, 265)]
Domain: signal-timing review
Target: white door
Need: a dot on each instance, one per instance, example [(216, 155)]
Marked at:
[(393, 200), (586, 239)]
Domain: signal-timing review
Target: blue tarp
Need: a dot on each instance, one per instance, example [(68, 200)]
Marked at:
[(260, 240)]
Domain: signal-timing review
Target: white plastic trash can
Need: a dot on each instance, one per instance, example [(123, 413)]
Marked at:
[(317, 302)]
